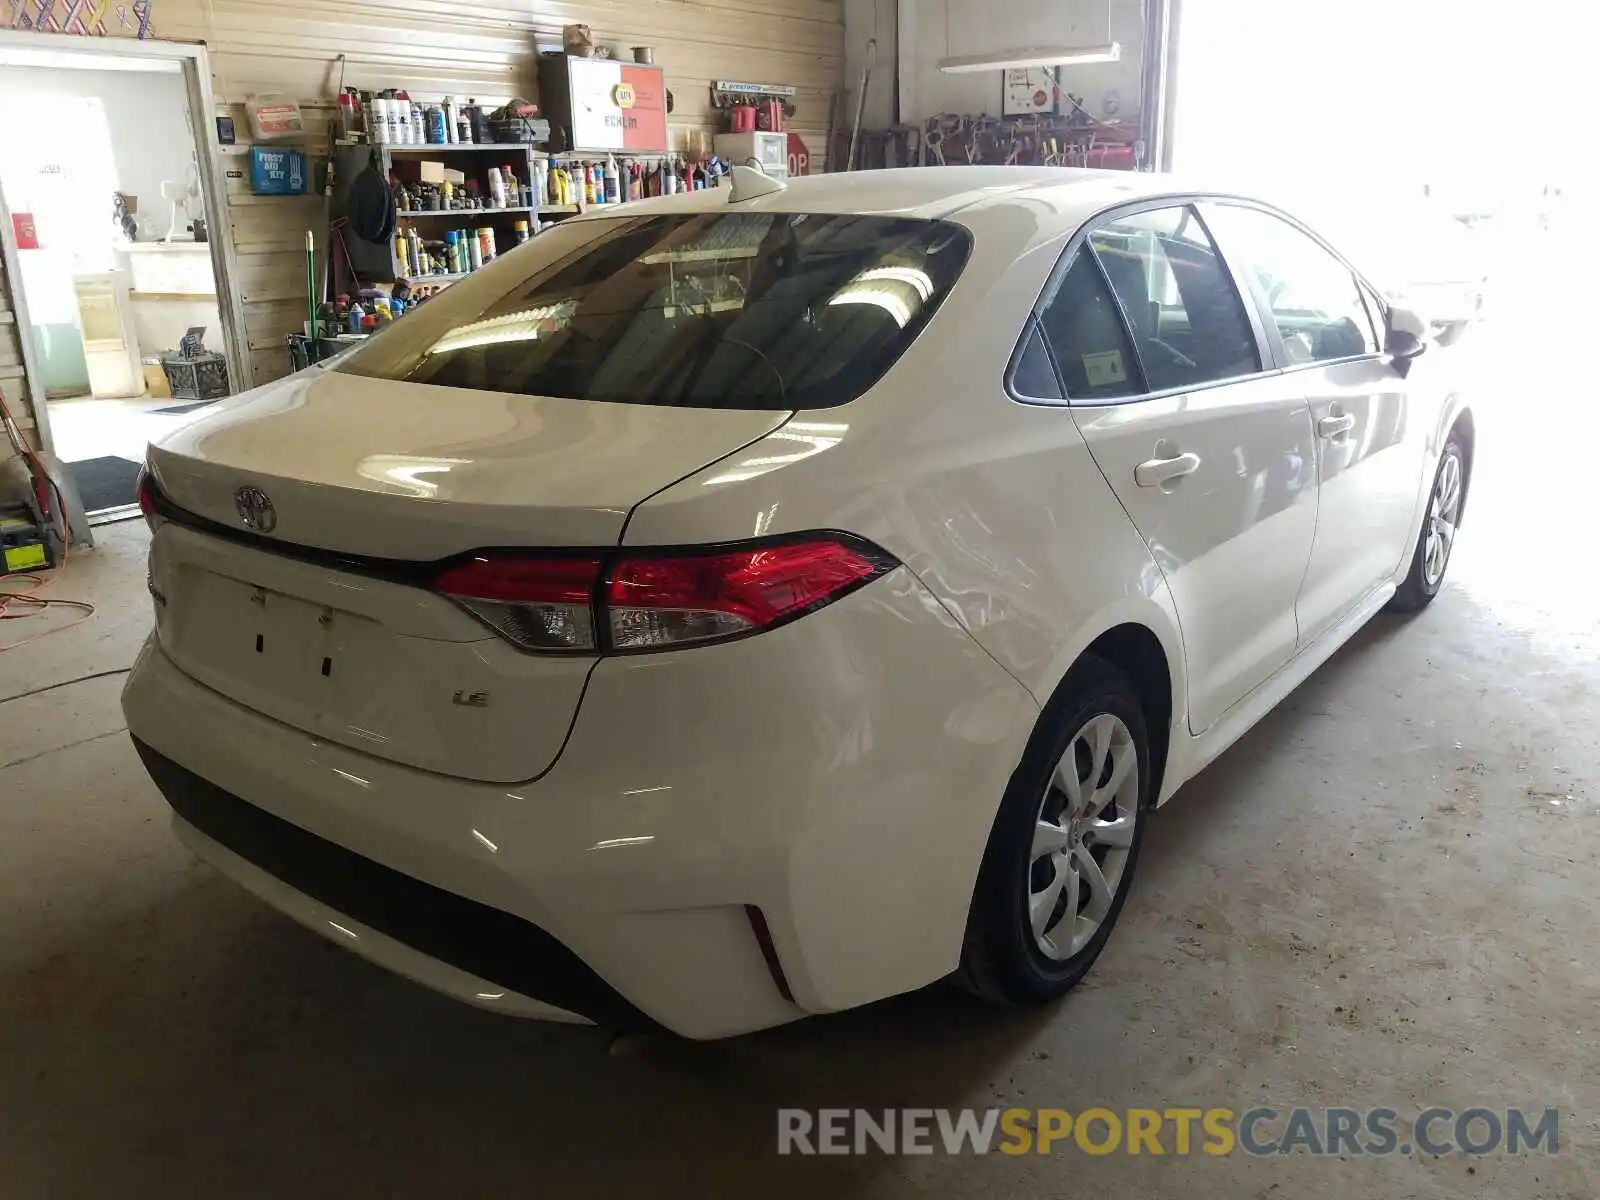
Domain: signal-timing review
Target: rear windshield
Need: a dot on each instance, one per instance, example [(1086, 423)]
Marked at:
[(705, 310)]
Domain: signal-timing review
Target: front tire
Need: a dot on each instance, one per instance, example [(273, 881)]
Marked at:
[(1437, 537), (1065, 842)]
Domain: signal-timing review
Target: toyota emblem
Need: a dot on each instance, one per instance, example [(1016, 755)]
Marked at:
[(255, 509)]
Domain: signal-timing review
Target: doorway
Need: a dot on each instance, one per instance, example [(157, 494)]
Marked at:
[(106, 186)]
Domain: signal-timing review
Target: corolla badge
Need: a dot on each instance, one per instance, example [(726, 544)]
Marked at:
[(255, 509)]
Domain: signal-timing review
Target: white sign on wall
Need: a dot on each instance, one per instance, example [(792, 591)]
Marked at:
[(1029, 90)]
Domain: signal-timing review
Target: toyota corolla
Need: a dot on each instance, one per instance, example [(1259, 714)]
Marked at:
[(753, 603)]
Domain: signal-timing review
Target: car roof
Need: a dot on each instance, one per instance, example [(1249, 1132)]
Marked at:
[(1063, 197)]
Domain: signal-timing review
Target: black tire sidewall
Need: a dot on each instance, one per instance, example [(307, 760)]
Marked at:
[(1013, 960)]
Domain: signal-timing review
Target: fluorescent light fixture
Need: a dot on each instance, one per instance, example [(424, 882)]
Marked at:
[(1032, 56)]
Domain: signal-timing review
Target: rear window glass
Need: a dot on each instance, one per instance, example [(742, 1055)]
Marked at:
[(705, 310)]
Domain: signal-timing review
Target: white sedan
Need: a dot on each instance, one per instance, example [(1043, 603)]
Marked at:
[(743, 605)]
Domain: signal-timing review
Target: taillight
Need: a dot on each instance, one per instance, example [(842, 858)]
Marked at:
[(657, 600), (534, 603), (145, 488), (674, 599)]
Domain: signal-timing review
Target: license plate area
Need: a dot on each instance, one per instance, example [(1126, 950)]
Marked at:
[(291, 657)]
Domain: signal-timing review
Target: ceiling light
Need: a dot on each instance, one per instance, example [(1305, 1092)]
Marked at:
[(1032, 56)]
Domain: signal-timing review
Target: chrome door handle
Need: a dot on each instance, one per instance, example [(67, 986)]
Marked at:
[(1157, 471), (1335, 426)]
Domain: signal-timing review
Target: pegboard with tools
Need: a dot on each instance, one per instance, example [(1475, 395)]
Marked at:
[(1042, 139), (1045, 140)]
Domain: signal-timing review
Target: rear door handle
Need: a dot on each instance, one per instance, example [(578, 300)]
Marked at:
[(1158, 471), (1335, 426)]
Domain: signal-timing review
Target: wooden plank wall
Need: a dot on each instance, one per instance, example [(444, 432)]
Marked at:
[(484, 50)]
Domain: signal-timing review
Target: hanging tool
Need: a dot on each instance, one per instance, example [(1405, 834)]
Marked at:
[(861, 102)]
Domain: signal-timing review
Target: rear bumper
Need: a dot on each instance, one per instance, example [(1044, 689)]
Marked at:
[(838, 775), (497, 961)]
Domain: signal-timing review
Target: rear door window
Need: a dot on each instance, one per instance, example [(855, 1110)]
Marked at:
[(706, 310), (1188, 320)]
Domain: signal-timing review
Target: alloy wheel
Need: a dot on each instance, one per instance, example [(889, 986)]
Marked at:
[(1082, 838), (1444, 514)]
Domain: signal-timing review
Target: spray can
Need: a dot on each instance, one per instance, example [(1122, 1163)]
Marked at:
[(449, 108), (419, 131), (669, 181), (520, 229), (354, 317), (463, 126), (402, 251), (435, 125), (474, 251), (497, 188), (588, 185), (391, 108), (485, 243), (613, 183)]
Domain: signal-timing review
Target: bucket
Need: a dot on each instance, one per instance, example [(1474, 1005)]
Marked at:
[(744, 118)]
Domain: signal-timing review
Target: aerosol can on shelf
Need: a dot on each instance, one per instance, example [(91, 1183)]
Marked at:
[(613, 182)]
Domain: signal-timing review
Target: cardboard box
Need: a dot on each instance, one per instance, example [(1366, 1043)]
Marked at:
[(430, 172)]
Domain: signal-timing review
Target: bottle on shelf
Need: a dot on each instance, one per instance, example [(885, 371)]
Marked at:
[(613, 182), (451, 130), (468, 127), (419, 131)]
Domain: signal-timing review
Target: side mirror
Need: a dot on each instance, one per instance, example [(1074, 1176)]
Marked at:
[(1407, 335)]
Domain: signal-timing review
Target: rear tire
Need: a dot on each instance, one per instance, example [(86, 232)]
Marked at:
[(1435, 541), (1064, 845)]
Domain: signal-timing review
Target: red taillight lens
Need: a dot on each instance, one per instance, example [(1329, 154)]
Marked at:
[(650, 601), (535, 603), (145, 488), (675, 599)]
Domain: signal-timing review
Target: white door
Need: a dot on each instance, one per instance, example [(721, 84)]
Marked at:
[(1326, 330), (1209, 453)]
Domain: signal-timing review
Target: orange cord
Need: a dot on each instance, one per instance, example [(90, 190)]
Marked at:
[(31, 605)]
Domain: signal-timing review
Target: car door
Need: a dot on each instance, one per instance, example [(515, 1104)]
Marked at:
[(1325, 327), (1209, 451)]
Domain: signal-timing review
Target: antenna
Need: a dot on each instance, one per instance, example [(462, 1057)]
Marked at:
[(751, 182)]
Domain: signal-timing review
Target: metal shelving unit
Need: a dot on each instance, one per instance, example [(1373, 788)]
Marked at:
[(377, 263)]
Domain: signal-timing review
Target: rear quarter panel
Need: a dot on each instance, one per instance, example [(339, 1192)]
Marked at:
[(995, 505)]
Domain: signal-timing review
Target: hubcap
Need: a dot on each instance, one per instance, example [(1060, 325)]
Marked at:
[(1082, 836), (1444, 512)]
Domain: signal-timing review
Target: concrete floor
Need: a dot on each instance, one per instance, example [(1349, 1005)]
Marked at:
[(1383, 895)]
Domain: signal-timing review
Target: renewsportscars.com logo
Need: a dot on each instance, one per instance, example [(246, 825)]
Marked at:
[(1180, 1132)]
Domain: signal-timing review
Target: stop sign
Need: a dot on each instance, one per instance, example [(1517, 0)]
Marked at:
[(799, 156)]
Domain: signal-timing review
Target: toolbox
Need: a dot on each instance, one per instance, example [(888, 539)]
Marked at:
[(22, 548)]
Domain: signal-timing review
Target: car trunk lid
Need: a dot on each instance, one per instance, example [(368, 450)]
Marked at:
[(321, 617)]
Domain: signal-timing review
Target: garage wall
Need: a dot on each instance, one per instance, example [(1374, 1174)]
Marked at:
[(484, 51), (940, 28)]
